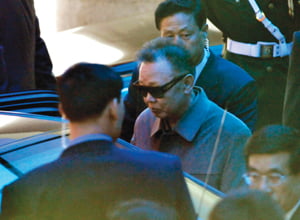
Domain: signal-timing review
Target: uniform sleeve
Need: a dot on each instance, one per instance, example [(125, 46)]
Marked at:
[(44, 77), (3, 73), (291, 113)]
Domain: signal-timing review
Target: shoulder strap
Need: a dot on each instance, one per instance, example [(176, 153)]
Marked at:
[(261, 17)]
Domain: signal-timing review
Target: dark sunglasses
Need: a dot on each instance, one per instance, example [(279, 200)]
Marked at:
[(157, 91)]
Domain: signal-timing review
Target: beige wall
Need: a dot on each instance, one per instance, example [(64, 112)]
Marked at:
[(73, 13)]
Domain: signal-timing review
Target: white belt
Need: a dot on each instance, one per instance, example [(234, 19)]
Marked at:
[(260, 49)]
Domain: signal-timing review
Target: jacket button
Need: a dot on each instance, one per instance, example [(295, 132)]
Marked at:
[(269, 69), (271, 6)]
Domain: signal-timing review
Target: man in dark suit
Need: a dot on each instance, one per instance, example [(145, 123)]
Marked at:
[(92, 174), (273, 158), (24, 60), (291, 113)]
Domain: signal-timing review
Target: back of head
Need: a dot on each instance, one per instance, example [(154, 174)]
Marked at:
[(247, 205), (85, 89), (141, 209), (170, 7), (274, 139), (165, 49)]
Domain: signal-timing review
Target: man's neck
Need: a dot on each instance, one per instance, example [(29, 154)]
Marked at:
[(200, 66), (81, 129)]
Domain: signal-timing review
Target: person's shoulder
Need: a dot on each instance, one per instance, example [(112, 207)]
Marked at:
[(235, 129), (35, 178), (226, 69), (150, 158), (146, 113), (237, 125), (230, 124), (150, 155), (146, 116)]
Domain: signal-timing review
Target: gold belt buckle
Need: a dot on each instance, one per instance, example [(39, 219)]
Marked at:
[(266, 51)]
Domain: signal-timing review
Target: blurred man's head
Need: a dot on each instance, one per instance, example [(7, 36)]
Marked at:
[(184, 22), (89, 92), (273, 158), (165, 78), (141, 209), (246, 205)]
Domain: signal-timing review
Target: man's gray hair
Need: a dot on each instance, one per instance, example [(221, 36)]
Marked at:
[(165, 49)]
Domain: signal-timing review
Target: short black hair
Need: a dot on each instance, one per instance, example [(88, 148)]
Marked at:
[(247, 204), (85, 89), (165, 48), (274, 139), (170, 7)]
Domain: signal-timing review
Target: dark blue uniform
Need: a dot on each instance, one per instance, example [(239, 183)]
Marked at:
[(291, 113), (236, 19)]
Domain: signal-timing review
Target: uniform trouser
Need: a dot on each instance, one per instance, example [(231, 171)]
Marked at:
[(270, 75)]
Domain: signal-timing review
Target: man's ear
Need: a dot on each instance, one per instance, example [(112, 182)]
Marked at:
[(188, 83), (113, 109)]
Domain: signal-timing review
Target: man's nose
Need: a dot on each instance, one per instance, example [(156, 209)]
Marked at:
[(149, 98), (177, 39), (263, 185)]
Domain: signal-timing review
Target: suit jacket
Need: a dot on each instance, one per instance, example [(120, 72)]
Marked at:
[(24, 60), (230, 87), (291, 113), (225, 83), (90, 177)]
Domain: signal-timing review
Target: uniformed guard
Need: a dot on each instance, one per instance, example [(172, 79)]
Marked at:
[(258, 36)]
